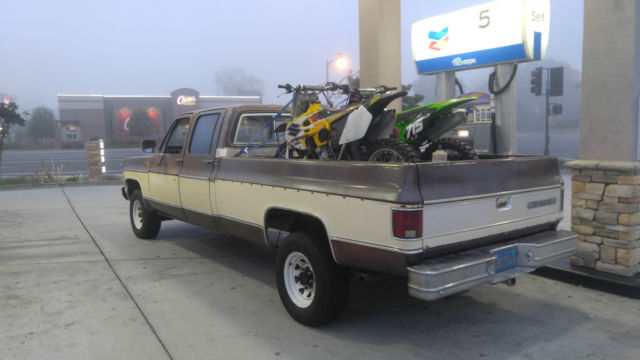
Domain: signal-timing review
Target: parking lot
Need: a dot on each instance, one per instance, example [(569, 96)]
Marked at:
[(76, 284)]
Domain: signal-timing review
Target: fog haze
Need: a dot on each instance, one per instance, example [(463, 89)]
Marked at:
[(153, 47)]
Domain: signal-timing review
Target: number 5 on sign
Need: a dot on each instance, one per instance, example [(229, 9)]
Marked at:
[(485, 20)]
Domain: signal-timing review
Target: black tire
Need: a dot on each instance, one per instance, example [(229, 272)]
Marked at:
[(293, 153), (391, 150), (455, 149), (147, 224), (326, 281)]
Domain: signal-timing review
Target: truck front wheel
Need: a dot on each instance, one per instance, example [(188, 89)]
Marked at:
[(145, 224), (312, 287)]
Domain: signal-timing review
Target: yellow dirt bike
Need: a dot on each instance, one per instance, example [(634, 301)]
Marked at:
[(358, 131)]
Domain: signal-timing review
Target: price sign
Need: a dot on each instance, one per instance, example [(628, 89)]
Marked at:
[(496, 32)]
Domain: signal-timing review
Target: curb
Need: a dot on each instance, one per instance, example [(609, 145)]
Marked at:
[(592, 279), (46, 186)]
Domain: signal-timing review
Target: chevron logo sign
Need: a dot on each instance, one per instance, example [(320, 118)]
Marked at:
[(439, 39)]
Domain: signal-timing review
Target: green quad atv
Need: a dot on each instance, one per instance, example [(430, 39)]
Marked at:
[(423, 127)]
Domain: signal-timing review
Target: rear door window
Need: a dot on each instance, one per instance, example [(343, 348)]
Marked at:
[(204, 134)]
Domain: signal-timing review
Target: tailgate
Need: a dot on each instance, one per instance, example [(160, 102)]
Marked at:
[(471, 200)]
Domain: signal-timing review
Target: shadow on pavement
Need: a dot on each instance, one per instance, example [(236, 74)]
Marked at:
[(491, 321)]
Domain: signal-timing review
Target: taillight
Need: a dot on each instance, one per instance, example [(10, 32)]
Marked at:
[(407, 224)]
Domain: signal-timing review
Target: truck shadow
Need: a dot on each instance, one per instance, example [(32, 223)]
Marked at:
[(490, 321)]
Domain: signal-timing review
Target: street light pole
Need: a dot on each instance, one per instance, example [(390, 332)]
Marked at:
[(326, 78), (547, 115)]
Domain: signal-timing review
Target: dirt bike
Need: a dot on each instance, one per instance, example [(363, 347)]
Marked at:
[(424, 126), (358, 131)]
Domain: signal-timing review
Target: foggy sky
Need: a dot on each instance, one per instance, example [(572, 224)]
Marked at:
[(153, 47)]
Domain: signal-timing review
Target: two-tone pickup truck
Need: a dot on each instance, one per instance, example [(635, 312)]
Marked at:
[(447, 227)]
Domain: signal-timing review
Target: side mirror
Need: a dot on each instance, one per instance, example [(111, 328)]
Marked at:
[(149, 146)]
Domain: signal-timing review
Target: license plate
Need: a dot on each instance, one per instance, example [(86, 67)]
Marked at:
[(506, 258)]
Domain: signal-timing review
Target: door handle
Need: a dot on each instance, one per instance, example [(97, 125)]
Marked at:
[(208, 162), (179, 161)]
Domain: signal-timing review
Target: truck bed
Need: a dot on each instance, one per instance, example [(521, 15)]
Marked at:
[(464, 204)]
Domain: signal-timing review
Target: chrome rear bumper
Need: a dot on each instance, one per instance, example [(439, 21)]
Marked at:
[(447, 275)]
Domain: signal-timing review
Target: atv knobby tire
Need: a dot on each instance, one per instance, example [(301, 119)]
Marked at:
[(293, 152), (391, 150), (455, 149)]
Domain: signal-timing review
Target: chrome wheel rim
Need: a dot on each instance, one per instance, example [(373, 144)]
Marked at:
[(136, 214), (386, 155), (299, 279)]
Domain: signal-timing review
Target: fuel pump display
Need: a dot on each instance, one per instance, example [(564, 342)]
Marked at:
[(477, 131)]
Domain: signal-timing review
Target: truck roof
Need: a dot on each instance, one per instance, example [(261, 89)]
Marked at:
[(238, 108)]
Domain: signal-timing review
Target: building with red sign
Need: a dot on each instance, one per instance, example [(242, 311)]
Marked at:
[(83, 117)]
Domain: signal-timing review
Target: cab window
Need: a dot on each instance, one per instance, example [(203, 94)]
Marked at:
[(175, 140), (203, 134)]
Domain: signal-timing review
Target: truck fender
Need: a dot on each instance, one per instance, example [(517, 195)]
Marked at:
[(280, 220), (130, 185)]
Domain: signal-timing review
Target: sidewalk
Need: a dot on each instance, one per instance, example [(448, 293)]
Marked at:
[(60, 298)]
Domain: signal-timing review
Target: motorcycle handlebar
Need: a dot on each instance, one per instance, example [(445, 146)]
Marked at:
[(288, 87), (330, 86), (385, 88)]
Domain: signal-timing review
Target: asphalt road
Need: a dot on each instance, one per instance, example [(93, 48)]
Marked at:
[(73, 162), (564, 144), (76, 284)]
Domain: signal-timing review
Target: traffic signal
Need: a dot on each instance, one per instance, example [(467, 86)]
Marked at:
[(556, 81), (556, 109), (536, 81)]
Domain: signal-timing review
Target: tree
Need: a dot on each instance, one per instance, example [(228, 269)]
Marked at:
[(234, 81), (140, 123), (9, 116), (409, 102), (42, 124), (354, 82)]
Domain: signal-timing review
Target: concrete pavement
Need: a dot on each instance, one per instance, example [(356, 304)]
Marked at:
[(76, 284), (60, 299)]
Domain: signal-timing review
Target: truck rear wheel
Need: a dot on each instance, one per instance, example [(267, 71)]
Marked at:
[(312, 287), (145, 224)]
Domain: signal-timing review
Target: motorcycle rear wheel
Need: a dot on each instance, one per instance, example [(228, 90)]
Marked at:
[(293, 153), (391, 150), (456, 150)]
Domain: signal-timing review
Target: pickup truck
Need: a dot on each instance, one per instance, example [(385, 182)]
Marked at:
[(447, 227)]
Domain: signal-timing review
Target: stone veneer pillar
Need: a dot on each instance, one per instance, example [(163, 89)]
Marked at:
[(605, 213)]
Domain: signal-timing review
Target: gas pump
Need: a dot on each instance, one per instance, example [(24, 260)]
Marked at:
[(478, 131), (500, 33)]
